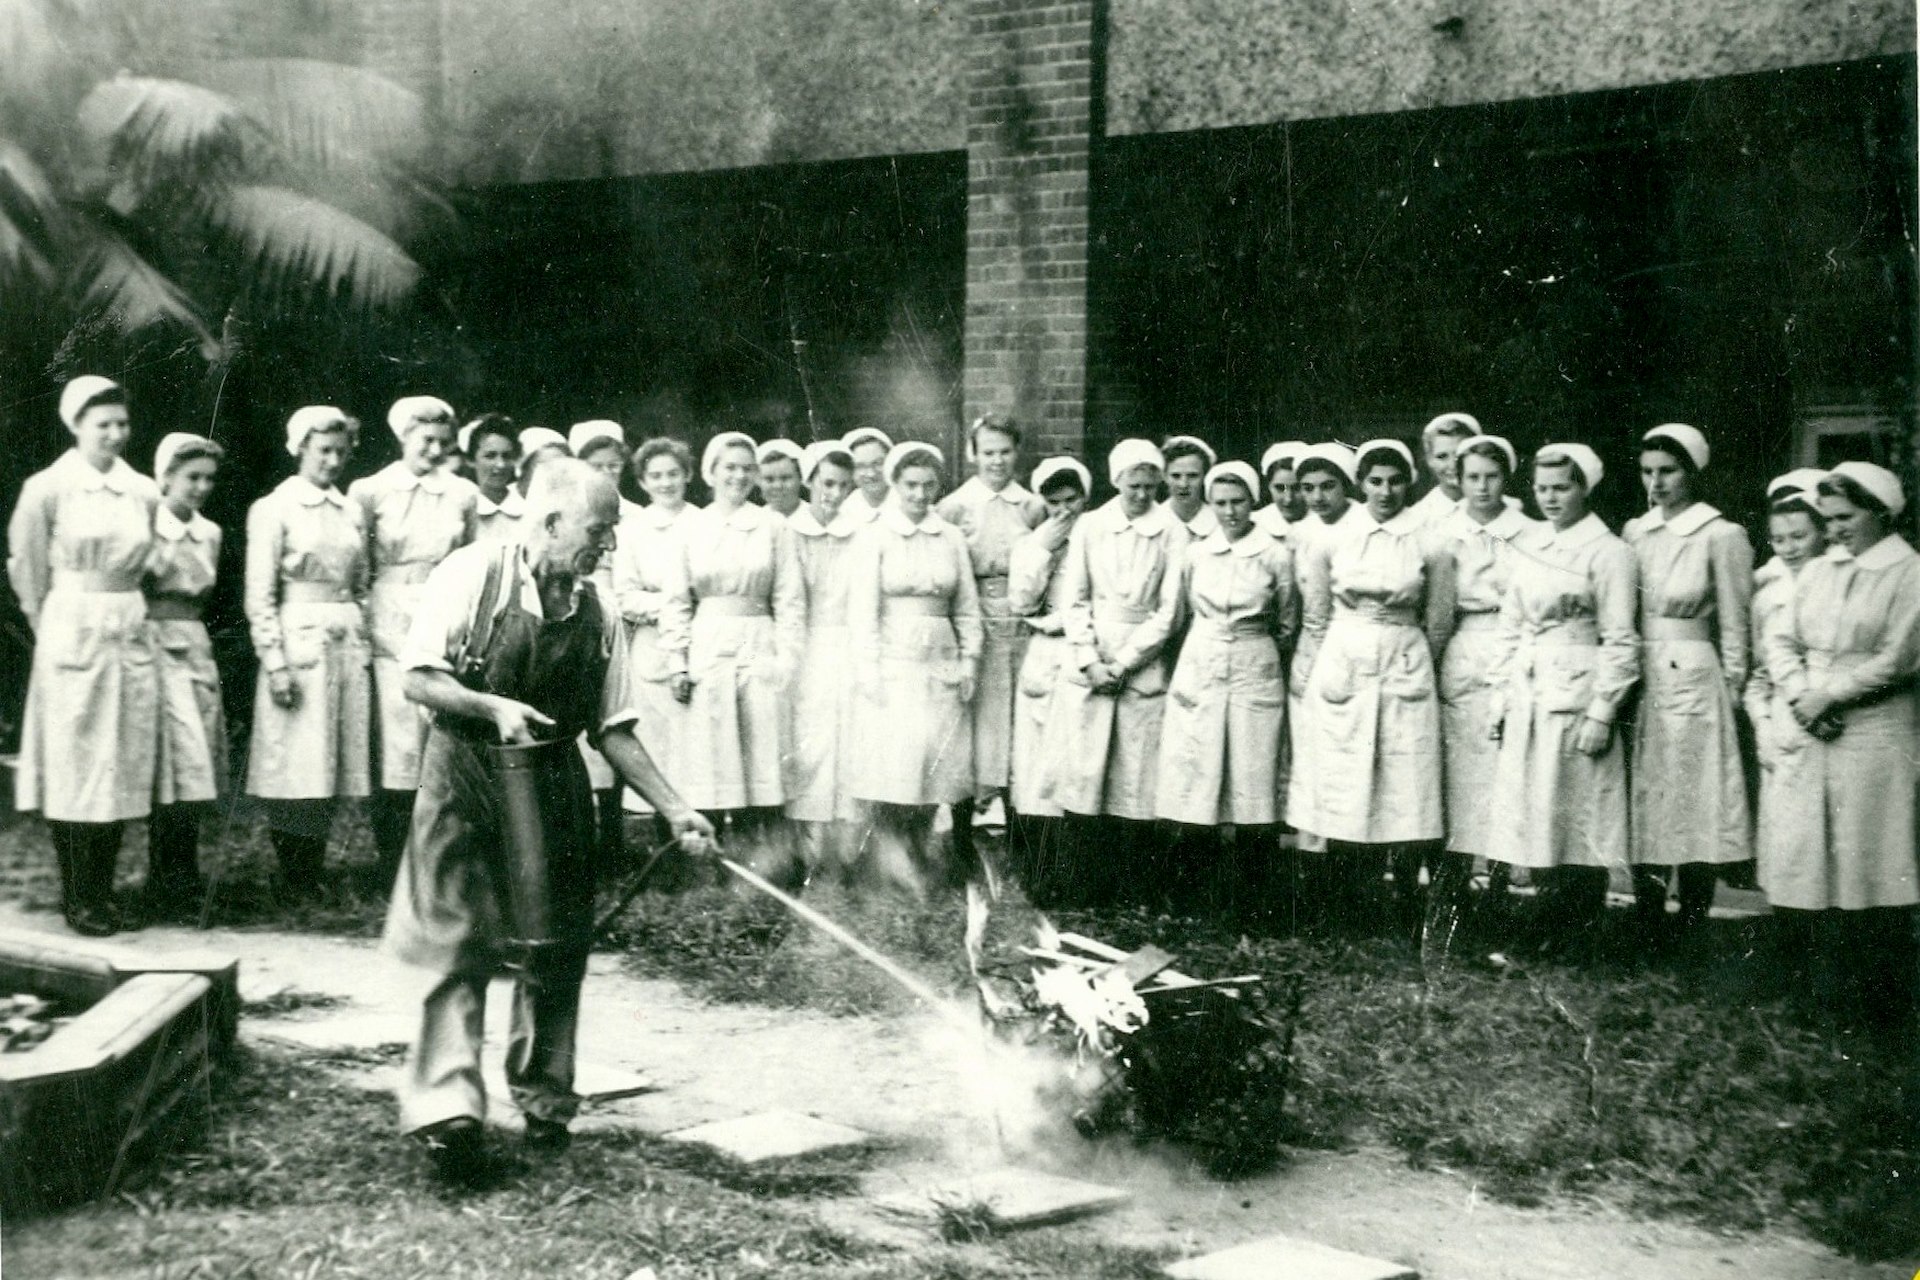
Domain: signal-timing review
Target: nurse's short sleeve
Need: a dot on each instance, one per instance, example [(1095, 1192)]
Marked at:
[(445, 610)]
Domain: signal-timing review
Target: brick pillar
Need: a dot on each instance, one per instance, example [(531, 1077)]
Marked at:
[(1035, 89)]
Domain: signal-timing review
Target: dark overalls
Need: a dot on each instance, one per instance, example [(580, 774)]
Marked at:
[(446, 914)]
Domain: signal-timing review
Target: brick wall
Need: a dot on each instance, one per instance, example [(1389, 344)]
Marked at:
[(1033, 80)]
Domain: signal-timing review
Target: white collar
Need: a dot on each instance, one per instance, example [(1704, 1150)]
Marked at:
[(1687, 523), (1203, 524), (309, 494), (744, 517), (513, 506), (1435, 502), (895, 518), (171, 527), (400, 476), (118, 477), (1404, 522), (807, 524), (655, 516), (1591, 528), (976, 489), (1884, 554), (1504, 526), (1111, 517), (1256, 541)]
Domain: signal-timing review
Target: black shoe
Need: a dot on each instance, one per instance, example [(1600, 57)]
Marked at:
[(93, 922), (457, 1149), (547, 1137)]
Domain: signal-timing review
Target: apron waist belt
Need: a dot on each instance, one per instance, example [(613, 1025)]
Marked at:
[(1677, 629), (1574, 632), (1131, 615), (733, 607), (1385, 615), (1238, 628), (314, 593), (173, 607), (917, 606), (402, 575), (93, 582)]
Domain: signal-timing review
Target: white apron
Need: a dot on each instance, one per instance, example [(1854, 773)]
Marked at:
[(193, 725), (78, 541), (734, 619), (1842, 831), (641, 558), (1036, 592), (1689, 782), (822, 701), (915, 620), (1222, 742), (992, 522), (413, 523), (1377, 600), (306, 574), (1568, 651), (1122, 594)]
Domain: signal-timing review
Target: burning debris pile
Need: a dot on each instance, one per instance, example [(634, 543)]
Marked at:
[(1144, 1048)]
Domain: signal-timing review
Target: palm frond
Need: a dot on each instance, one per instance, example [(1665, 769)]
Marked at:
[(320, 111), (161, 126), (118, 280), (296, 240), (30, 216)]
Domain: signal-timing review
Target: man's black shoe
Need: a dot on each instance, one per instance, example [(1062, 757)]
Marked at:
[(457, 1150), (547, 1137)]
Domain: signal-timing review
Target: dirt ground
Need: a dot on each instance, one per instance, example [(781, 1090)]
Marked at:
[(946, 1108)]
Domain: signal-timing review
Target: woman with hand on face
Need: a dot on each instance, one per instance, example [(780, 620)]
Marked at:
[(193, 724), (416, 514), (993, 511), (1036, 595), (1189, 458), (914, 613), (1845, 658), (1377, 600), (733, 621), (78, 542), (1569, 656), (818, 775), (492, 449), (306, 588), (1285, 505), (1689, 804), (1224, 735), (646, 545), (1122, 580)]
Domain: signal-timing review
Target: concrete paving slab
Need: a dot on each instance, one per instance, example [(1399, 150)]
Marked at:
[(773, 1135), (1009, 1199), (345, 1031), (1288, 1258)]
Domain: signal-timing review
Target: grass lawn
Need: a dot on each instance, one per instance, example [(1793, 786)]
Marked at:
[(1665, 1090), (299, 1178)]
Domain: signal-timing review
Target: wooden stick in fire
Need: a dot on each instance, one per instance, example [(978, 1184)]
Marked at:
[(919, 990)]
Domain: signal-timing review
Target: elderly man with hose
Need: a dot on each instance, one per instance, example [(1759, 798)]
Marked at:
[(514, 656)]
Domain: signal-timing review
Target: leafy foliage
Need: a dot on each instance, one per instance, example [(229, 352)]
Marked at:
[(146, 185)]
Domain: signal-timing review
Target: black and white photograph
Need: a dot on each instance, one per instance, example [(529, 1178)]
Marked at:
[(959, 639)]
